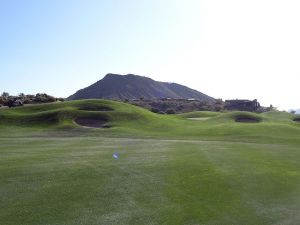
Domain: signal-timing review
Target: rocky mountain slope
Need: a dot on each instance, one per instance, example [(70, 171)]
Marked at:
[(114, 86)]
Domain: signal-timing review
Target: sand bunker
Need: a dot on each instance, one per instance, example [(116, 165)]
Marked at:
[(91, 122), (297, 120)]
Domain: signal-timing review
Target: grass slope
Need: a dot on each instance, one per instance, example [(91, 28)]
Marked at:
[(171, 170)]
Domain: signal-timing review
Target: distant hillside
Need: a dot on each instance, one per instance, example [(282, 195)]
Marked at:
[(114, 86), (297, 111)]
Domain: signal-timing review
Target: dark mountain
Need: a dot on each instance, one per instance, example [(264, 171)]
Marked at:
[(114, 86)]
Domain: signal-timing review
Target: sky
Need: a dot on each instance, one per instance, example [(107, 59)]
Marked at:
[(245, 49)]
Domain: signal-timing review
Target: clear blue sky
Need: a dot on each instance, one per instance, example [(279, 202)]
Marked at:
[(214, 46)]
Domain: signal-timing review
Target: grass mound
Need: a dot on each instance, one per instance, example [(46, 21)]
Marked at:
[(126, 120), (58, 114), (199, 114), (95, 107), (247, 120), (88, 113), (33, 119)]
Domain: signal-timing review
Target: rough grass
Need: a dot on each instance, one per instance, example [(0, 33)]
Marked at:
[(199, 114), (171, 170)]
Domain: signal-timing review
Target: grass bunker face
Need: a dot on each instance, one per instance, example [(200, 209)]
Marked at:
[(247, 120), (91, 122)]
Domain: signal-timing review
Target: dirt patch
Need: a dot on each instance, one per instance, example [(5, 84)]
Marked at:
[(91, 122), (247, 120)]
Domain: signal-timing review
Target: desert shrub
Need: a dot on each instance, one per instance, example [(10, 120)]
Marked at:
[(5, 94), (204, 108), (13, 102), (60, 99), (218, 108), (27, 101), (44, 98), (155, 110), (170, 111), (2, 100)]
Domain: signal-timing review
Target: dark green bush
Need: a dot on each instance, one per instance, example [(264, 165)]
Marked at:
[(170, 111)]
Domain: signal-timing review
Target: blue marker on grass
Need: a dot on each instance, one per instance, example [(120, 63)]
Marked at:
[(116, 155)]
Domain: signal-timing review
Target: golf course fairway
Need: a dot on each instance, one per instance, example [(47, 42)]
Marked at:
[(57, 166)]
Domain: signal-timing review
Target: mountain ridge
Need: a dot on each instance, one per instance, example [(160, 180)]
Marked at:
[(130, 86)]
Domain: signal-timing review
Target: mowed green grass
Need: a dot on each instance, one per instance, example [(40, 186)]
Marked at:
[(171, 170)]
